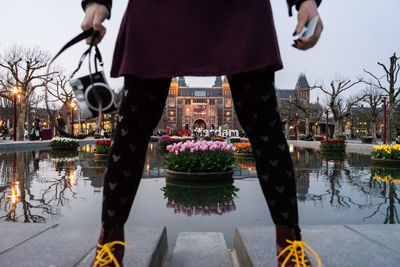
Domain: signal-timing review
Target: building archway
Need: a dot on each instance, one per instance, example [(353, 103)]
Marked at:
[(199, 123)]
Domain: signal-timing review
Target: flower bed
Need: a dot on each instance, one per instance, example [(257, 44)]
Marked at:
[(244, 150), (218, 138), (318, 137), (102, 147), (243, 147), (333, 145), (234, 140), (165, 141), (302, 137), (204, 156), (63, 143), (386, 152), (366, 139), (154, 138)]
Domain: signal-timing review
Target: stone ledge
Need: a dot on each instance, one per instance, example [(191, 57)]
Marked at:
[(336, 245), (43, 245)]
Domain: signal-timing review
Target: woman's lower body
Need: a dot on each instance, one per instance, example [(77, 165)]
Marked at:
[(255, 103)]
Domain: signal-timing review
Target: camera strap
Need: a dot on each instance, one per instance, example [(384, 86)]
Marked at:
[(82, 36), (97, 58)]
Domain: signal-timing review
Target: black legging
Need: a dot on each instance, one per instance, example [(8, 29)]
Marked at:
[(254, 97)]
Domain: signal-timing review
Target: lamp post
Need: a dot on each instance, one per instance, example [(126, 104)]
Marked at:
[(296, 117), (326, 126), (15, 91), (384, 121), (72, 116)]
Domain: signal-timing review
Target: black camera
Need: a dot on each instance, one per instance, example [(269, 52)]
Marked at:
[(91, 90)]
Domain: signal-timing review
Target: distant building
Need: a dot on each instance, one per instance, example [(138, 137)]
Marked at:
[(202, 107), (301, 92), (199, 107)]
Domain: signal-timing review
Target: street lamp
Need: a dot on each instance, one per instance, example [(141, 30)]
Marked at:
[(15, 92), (73, 104), (326, 126), (384, 121)]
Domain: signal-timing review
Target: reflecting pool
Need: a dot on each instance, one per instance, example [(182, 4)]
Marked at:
[(47, 187)]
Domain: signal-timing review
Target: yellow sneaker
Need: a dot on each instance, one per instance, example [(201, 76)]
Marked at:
[(295, 255), (105, 255)]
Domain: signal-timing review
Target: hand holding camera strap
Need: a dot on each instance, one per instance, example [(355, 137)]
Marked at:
[(97, 59)]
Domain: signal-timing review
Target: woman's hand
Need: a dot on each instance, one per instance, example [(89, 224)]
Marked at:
[(308, 10), (95, 14)]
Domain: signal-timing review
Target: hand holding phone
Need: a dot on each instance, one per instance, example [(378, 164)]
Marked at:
[(309, 29)]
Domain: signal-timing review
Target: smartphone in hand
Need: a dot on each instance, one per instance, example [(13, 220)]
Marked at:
[(309, 29)]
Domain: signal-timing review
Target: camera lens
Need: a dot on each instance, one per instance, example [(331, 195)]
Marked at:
[(100, 92)]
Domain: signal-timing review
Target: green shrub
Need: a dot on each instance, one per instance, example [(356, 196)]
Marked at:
[(333, 144), (62, 142)]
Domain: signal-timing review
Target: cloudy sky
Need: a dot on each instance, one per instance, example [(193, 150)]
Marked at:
[(357, 34)]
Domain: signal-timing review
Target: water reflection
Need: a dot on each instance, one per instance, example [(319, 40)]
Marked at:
[(386, 181), (201, 199), (348, 184), (39, 186), (34, 186)]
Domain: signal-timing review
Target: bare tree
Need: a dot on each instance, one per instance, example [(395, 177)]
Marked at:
[(340, 107), (391, 75), (373, 98), (60, 91), (24, 71), (288, 113)]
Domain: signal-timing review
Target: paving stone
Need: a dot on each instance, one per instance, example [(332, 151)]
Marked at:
[(335, 245), (72, 245), (60, 246), (12, 234), (387, 235), (194, 249)]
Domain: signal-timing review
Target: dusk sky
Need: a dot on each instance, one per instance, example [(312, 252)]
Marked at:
[(357, 34)]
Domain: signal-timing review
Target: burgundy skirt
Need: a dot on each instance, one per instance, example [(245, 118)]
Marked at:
[(169, 38)]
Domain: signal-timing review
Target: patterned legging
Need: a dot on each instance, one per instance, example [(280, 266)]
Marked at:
[(255, 103)]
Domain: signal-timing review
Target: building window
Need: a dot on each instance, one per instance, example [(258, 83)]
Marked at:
[(228, 103), (219, 101), (188, 101), (212, 101), (200, 93), (201, 100), (179, 101), (171, 102)]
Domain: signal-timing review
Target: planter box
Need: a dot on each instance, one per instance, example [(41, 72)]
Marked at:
[(244, 155), (205, 184), (61, 148), (199, 176), (385, 162), (337, 151), (100, 156)]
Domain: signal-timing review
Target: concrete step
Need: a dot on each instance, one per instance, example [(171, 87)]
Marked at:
[(75, 246), (336, 245), (194, 249)]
